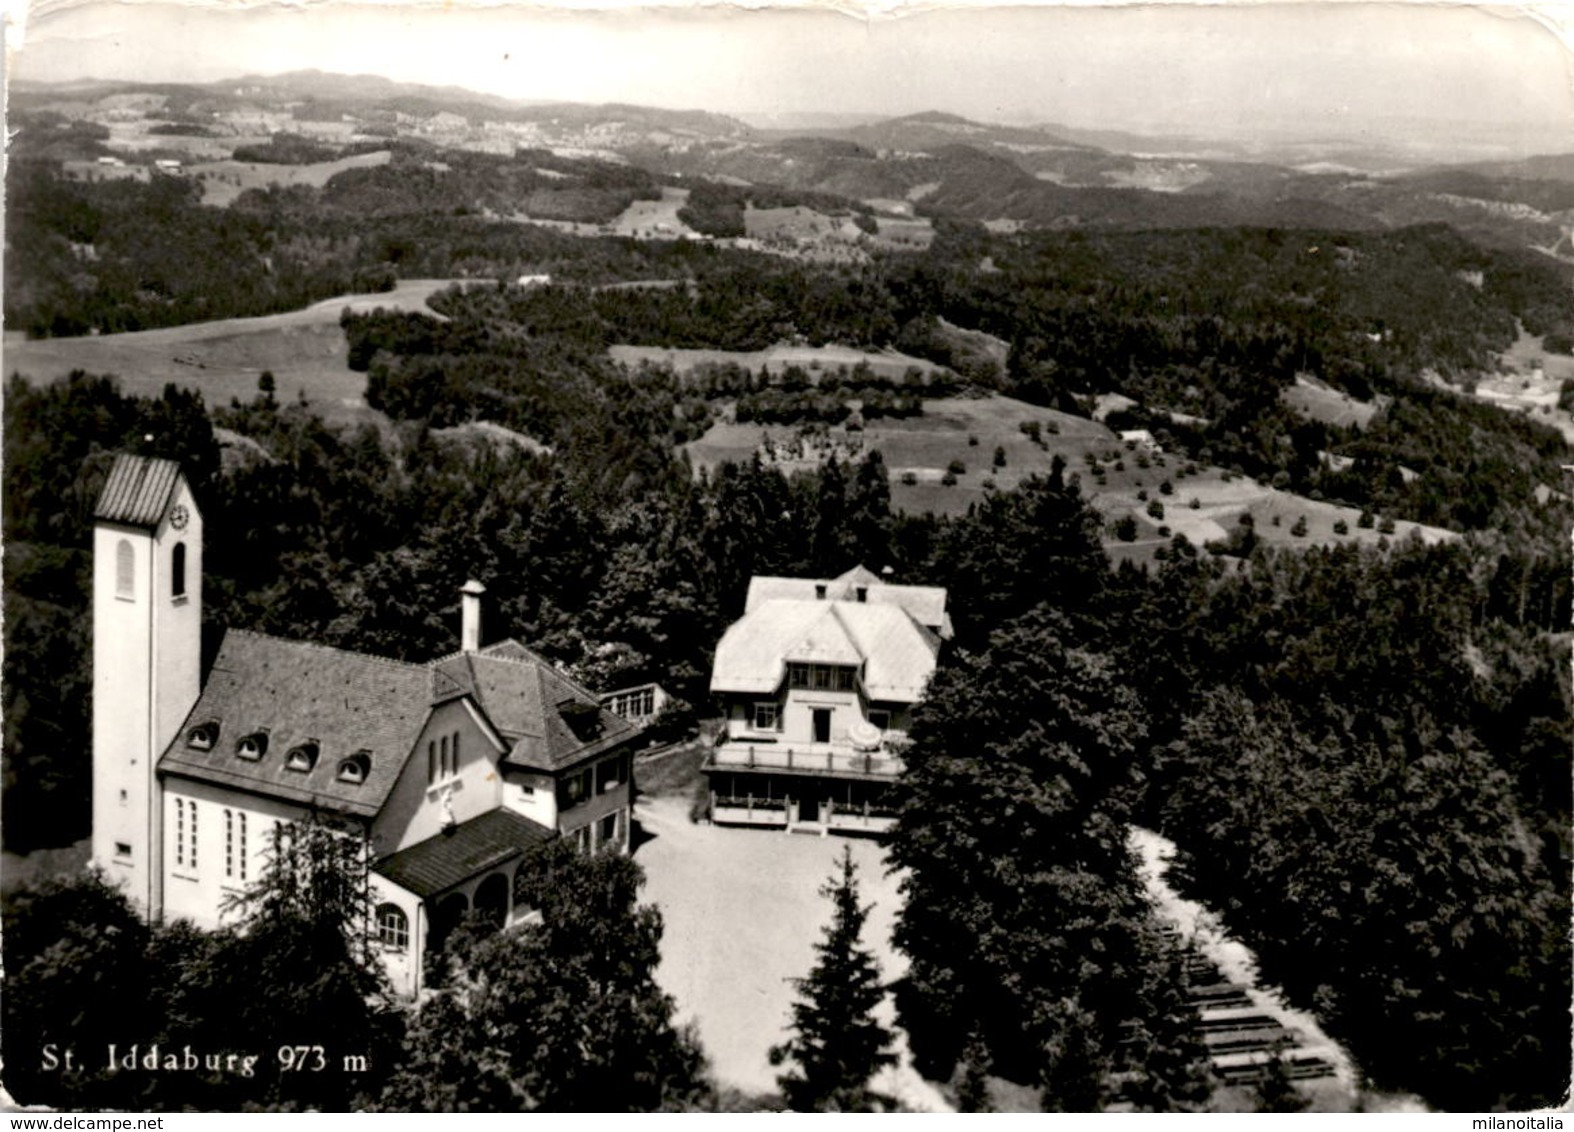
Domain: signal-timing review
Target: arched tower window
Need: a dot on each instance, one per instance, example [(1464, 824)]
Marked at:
[(125, 570), (177, 571)]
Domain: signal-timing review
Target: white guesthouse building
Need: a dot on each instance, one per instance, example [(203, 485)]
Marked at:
[(455, 770), (817, 682)]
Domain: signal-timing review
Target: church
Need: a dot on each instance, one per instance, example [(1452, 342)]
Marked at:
[(454, 770)]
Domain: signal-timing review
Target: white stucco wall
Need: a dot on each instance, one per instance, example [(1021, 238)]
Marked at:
[(147, 655), (414, 810), (531, 795), (197, 893)]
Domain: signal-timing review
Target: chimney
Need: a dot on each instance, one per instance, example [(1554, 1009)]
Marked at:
[(470, 619)]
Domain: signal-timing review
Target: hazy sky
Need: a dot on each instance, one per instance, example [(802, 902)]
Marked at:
[(1313, 69)]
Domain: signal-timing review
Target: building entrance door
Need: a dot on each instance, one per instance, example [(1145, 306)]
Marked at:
[(809, 808), (822, 725)]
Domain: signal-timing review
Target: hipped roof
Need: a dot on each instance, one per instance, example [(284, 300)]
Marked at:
[(896, 653), (529, 702)]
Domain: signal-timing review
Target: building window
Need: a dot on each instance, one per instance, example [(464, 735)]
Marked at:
[(125, 570), (442, 757), (122, 850), (242, 842), (393, 927), (863, 593), (819, 591), (767, 716), (203, 736), (844, 679), (576, 788), (582, 839), (229, 843), (456, 752), (252, 747), (608, 834), (609, 774), (798, 675), (353, 769), (177, 571), (822, 677), (302, 758), (186, 834), (431, 762)]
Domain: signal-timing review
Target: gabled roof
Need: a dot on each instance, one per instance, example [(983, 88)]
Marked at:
[(345, 702), (534, 706), (138, 491), (453, 857), (896, 653), (925, 603)]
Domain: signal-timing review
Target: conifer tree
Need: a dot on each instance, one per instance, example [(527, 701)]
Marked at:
[(837, 1044)]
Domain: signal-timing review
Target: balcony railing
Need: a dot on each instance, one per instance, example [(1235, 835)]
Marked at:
[(830, 758)]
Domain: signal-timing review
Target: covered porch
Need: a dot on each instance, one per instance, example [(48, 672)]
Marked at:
[(799, 801), (423, 892)]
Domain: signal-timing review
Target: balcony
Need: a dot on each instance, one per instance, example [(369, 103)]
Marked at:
[(839, 759)]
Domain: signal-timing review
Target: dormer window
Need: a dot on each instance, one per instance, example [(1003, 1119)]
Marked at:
[(583, 719), (819, 591), (302, 758), (355, 768), (252, 747), (203, 736)]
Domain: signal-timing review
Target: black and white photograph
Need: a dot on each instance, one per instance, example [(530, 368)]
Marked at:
[(666, 557)]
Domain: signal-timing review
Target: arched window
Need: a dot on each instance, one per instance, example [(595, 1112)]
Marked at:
[(177, 571), (431, 762), (253, 746), (442, 756), (355, 768), (393, 926), (125, 570), (302, 758)]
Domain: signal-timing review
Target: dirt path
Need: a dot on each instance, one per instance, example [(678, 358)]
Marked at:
[(742, 913)]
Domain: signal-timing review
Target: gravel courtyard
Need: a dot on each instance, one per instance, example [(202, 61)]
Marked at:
[(742, 912)]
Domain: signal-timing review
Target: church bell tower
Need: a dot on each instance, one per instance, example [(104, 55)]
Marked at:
[(147, 657)]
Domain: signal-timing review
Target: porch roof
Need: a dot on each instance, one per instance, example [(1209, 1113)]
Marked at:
[(450, 858)]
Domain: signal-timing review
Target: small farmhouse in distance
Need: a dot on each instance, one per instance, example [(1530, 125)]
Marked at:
[(817, 681)]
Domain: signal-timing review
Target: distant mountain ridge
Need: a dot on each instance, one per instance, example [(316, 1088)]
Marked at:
[(934, 162)]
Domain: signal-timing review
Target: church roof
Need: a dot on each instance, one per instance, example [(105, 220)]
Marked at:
[(454, 856), (294, 693), (138, 490), (551, 720)]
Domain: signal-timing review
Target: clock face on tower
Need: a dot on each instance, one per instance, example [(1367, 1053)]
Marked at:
[(178, 517)]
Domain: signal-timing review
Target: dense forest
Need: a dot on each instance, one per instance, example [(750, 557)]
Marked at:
[(1361, 752), (1400, 719)]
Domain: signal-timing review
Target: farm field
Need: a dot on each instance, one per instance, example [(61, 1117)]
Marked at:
[(1530, 382), (919, 450), (887, 363), (223, 359), (223, 181), (1322, 403)]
